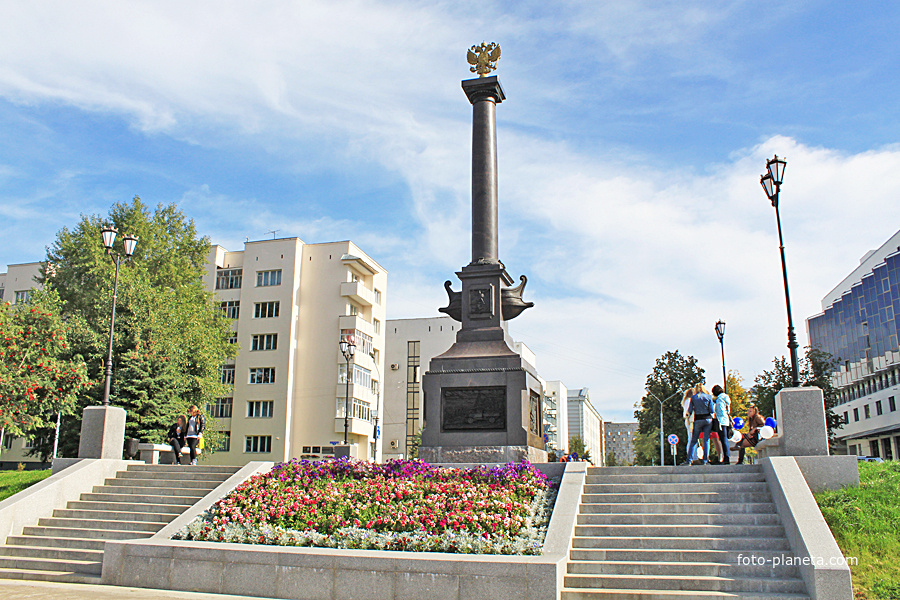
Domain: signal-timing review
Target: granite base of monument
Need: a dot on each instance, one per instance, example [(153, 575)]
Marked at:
[(482, 454), (482, 404)]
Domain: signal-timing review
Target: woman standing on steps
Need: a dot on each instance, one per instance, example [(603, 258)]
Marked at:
[(701, 406), (194, 432), (176, 436)]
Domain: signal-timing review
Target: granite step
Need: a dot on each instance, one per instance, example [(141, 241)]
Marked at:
[(84, 533), (195, 493), (738, 508), (158, 483), (643, 530), (679, 470), (722, 519), (182, 502), (615, 487), (58, 576), (56, 542), (112, 515), (648, 566), (52, 553), (99, 524), (687, 583), (676, 498), (129, 507), (697, 477), (209, 469), (646, 594), (88, 567), (744, 544), (191, 475)]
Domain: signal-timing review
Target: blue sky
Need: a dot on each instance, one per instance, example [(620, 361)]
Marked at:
[(630, 148)]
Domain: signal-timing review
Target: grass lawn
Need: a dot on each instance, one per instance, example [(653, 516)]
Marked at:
[(13, 482), (866, 524)]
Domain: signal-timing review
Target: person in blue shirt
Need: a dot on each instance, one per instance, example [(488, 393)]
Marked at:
[(723, 419), (702, 406)]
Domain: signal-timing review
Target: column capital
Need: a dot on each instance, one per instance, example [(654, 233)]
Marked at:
[(483, 88)]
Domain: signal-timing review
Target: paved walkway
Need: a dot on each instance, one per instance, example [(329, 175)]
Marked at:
[(45, 590)]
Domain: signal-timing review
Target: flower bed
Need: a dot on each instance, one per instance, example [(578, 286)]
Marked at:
[(398, 505)]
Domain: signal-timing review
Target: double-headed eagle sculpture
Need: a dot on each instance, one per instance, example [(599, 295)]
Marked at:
[(483, 58)]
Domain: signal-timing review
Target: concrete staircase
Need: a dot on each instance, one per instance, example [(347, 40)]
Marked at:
[(136, 503), (679, 533)]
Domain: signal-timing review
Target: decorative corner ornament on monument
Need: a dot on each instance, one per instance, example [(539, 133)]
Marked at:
[(483, 402)]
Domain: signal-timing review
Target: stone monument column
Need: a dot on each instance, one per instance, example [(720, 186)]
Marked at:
[(482, 400)]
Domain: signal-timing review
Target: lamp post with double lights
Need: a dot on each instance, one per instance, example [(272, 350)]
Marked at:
[(662, 460), (771, 183), (348, 349), (129, 241), (720, 333)]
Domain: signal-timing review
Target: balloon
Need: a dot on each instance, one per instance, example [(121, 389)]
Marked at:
[(771, 422), (736, 436), (699, 452), (738, 423), (766, 432)]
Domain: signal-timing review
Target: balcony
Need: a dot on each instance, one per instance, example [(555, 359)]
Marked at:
[(358, 292), (359, 393), (358, 323), (360, 422)]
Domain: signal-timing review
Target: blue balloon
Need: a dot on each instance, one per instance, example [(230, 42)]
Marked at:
[(771, 422), (738, 423)]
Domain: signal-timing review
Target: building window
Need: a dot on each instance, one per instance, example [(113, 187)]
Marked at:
[(258, 444), (225, 445), (8, 441), (361, 376), (232, 339), (266, 310), (260, 409), (362, 340), (262, 375), (377, 296), (354, 310), (228, 279), (878, 410), (231, 309), (228, 374), (867, 411), (267, 278), (413, 357), (220, 409), (846, 417), (892, 404), (265, 341), (377, 324), (855, 415), (24, 296), (1, 293)]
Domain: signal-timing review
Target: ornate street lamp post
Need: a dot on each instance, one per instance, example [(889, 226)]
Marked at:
[(109, 236), (771, 183), (720, 333), (348, 349)]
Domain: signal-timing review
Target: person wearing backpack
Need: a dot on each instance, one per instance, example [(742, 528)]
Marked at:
[(702, 406)]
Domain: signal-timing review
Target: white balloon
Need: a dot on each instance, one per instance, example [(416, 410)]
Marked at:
[(766, 432), (699, 452), (736, 436)]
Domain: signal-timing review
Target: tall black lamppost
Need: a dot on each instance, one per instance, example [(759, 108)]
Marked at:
[(129, 241), (348, 349), (720, 333), (771, 183)]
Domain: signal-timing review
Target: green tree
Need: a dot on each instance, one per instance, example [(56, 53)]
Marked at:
[(40, 374), (672, 374), (815, 369), (611, 460), (170, 337), (646, 448), (577, 445)]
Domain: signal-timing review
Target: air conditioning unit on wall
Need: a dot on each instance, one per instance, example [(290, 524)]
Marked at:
[(394, 366), (395, 444)]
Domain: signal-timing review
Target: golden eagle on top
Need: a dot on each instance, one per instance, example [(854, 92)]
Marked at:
[(483, 58)]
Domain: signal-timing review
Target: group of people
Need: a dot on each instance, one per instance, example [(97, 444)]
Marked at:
[(187, 431), (707, 417)]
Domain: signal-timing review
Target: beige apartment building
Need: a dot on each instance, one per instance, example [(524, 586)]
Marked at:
[(291, 304)]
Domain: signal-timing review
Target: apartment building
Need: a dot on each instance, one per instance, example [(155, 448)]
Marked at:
[(292, 304), (556, 417)]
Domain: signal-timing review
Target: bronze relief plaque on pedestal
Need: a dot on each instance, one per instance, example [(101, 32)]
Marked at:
[(473, 408)]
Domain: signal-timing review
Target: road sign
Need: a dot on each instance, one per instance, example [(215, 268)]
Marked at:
[(673, 439)]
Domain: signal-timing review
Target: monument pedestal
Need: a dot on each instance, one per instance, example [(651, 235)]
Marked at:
[(102, 432), (801, 424)]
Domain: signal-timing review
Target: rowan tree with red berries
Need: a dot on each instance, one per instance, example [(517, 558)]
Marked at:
[(39, 376)]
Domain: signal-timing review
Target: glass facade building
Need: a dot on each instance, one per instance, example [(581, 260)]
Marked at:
[(859, 328)]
